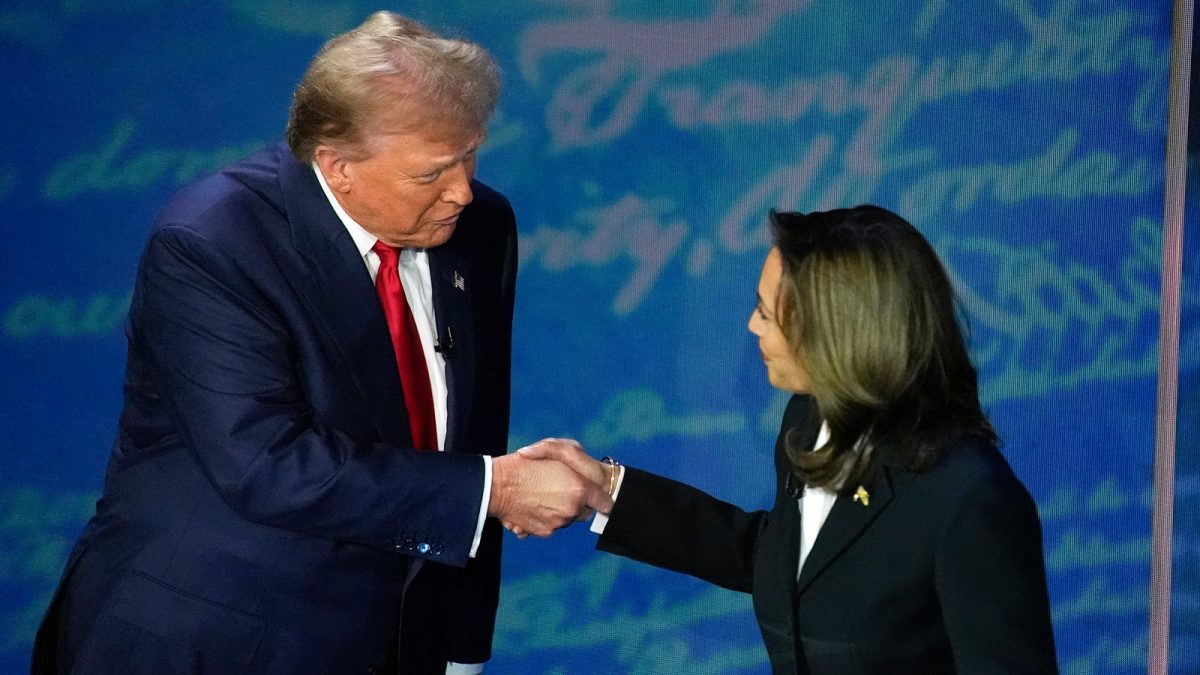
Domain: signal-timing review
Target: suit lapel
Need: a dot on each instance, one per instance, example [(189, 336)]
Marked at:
[(342, 298), (789, 560), (799, 417), (452, 286), (845, 523)]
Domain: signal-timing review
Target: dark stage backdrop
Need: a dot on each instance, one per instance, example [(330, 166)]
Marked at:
[(642, 144)]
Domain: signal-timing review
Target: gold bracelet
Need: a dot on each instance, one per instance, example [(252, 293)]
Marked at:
[(613, 466)]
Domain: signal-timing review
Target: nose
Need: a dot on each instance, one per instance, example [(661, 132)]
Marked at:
[(458, 187), (753, 324)]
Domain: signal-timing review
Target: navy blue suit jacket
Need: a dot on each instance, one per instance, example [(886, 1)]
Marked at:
[(262, 507), (939, 572)]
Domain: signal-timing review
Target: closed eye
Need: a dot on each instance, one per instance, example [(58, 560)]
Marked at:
[(759, 309), (437, 173), (429, 177)]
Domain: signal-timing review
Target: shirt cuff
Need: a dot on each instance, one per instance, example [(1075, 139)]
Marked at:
[(453, 668), (601, 520), (487, 495)]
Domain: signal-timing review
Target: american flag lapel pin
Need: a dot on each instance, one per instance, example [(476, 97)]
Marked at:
[(459, 282)]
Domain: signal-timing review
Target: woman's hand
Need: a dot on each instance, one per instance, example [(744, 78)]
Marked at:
[(570, 453)]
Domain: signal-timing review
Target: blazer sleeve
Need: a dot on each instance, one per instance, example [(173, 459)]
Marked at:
[(674, 526), (229, 377), (991, 580)]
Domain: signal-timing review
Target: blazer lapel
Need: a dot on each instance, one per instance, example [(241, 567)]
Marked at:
[(342, 298), (801, 424), (846, 521), (789, 560), (452, 286)]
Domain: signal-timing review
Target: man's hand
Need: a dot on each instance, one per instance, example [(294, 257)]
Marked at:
[(571, 453), (538, 496)]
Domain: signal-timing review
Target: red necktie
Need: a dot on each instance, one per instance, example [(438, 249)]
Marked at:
[(410, 357)]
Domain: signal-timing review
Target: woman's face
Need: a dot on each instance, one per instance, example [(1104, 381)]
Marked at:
[(782, 369)]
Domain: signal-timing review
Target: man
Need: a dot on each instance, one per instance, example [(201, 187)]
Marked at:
[(318, 378)]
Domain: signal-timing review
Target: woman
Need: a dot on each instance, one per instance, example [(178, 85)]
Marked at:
[(900, 540)]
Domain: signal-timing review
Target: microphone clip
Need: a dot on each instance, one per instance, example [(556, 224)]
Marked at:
[(791, 487), (445, 347)]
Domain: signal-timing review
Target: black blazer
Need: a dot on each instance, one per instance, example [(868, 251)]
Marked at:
[(941, 572), (263, 509)]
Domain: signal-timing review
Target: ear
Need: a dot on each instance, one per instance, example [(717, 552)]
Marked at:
[(333, 167)]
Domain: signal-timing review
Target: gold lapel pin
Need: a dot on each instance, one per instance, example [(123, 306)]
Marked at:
[(862, 496)]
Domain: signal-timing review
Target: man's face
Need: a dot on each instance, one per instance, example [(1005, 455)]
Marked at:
[(411, 189)]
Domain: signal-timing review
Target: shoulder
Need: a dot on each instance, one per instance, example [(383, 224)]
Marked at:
[(967, 500), (245, 191), (970, 469), (234, 223)]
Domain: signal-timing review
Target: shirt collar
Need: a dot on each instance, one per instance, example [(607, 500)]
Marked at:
[(362, 239)]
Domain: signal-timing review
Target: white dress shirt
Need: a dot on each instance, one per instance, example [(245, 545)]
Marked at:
[(814, 507), (418, 290)]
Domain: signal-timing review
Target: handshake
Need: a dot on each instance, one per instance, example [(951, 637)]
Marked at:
[(546, 486)]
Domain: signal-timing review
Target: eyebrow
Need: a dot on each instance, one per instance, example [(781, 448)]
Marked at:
[(459, 158)]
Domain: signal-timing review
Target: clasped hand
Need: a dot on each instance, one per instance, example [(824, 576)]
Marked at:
[(546, 486)]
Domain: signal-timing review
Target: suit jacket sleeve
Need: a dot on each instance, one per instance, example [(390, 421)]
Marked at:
[(235, 392), (991, 580), (671, 525)]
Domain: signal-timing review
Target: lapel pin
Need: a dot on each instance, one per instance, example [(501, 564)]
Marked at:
[(862, 496), (459, 282)]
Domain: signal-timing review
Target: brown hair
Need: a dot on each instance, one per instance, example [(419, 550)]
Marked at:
[(871, 317), (358, 79)]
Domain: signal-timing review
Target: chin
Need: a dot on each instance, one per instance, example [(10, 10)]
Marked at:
[(783, 384), (430, 239), (442, 236)]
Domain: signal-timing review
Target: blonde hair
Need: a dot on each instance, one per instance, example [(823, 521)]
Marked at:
[(361, 81)]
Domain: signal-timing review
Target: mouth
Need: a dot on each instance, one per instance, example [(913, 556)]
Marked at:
[(448, 221)]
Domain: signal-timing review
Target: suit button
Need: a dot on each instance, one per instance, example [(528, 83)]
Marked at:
[(423, 548), (437, 549)]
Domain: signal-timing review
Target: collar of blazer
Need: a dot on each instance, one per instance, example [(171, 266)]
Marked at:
[(846, 520), (342, 298), (452, 285)]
